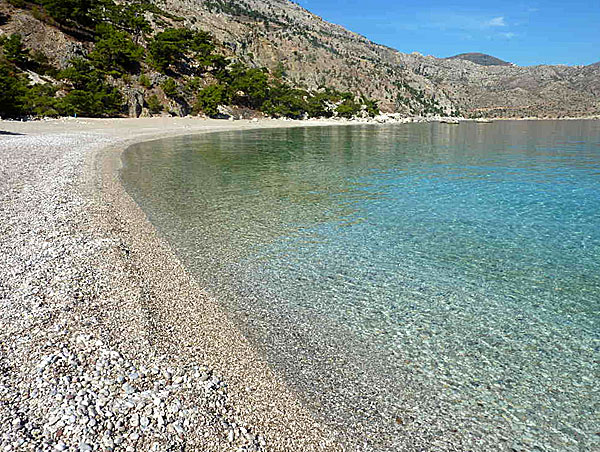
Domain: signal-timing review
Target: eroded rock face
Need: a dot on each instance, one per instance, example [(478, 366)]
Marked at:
[(38, 36), (179, 107), (135, 101)]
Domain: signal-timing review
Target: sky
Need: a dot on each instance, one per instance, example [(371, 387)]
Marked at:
[(522, 32)]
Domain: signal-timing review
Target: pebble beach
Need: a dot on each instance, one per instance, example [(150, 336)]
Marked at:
[(106, 342)]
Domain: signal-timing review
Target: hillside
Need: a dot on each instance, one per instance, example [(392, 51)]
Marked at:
[(310, 53), (480, 58), (313, 51)]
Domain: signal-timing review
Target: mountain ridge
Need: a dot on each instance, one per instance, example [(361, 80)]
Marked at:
[(406, 83), (482, 59)]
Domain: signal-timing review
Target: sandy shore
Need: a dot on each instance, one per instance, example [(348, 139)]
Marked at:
[(106, 342)]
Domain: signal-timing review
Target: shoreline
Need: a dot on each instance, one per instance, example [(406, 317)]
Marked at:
[(126, 327), (240, 124), (99, 311)]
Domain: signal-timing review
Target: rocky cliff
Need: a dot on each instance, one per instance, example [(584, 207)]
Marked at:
[(311, 52)]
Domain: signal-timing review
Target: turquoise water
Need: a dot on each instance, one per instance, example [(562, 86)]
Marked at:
[(423, 286)]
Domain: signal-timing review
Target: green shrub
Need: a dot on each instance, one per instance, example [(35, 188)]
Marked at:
[(317, 105), (15, 51), (169, 47), (348, 108), (73, 12), (40, 63), (40, 101), (115, 51), (169, 87), (13, 88), (37, 13), (154, 104), (145, 81), (129, 16), (209, 99), (194, 84), (249, 87), (217, 65), (284, 101), (17, 3), (371, 107), (91, 95)]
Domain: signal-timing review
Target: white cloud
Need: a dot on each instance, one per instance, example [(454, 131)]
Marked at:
[(496, 22), (508, 35), (462, 22)]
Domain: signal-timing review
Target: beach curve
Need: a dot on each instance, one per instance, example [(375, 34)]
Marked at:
[(113, 318)]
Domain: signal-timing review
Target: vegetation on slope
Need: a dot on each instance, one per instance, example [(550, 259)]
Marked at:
[(174, 65)]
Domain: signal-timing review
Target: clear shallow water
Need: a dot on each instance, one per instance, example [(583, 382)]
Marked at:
[(423, 286)]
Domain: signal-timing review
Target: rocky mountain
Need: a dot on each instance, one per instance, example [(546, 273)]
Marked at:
[(480, 58), (311, 52)]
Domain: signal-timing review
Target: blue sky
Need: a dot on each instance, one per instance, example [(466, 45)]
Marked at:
[(522, 32)]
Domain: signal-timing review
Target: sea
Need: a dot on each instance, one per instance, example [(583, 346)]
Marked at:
[(420, 286)]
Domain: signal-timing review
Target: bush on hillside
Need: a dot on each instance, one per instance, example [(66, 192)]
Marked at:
[(40, 101), (130, 17), (285, 101), (169, 87), (248, 87), (115, 52), (371, 106), (145, 81), (14, 50), (170, 47), (154, 104), (13, 88), (318, 105), (348, 108), (72, 12), (209, 99), (91, 95)]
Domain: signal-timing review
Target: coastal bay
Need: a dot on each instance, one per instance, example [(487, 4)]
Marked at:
[(106, 340), (110, 339)]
